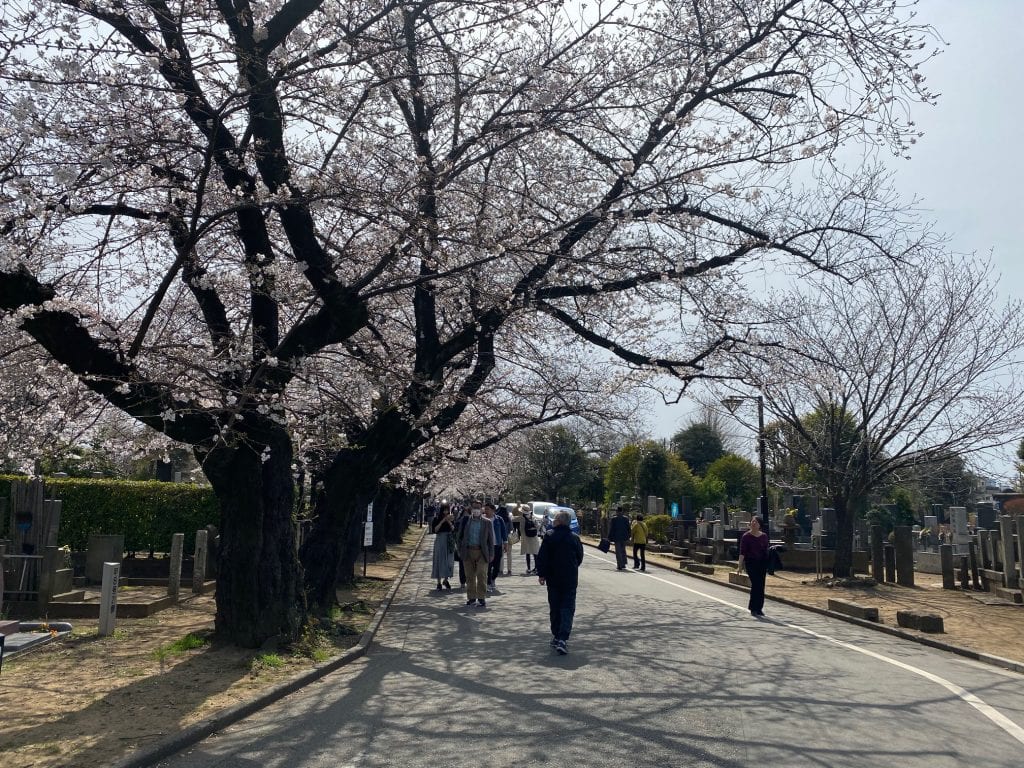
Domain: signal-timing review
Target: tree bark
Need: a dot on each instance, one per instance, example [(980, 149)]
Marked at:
[(330, 551), (259, 584), (842, 566)]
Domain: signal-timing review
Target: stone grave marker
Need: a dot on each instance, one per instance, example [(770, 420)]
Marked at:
[(174, 575), (1010, 578), (199, 562), (958, 529)]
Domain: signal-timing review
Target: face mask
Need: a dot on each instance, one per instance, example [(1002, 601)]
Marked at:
[(477, 512)]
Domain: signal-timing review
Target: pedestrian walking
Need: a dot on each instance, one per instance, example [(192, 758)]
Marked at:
[(639, 533), (506, 517), (442, 525), (618, 533), (500, 538), (558, 564), (476, 548), (529, 536), (754, 559)]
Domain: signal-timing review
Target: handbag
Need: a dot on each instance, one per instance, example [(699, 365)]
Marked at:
[(513, 538), (604, 545)]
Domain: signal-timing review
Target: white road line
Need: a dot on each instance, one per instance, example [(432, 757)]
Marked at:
[(987, 710)]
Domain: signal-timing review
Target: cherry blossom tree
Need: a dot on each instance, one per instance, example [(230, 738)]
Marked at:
[(201, 199), (877, 383)]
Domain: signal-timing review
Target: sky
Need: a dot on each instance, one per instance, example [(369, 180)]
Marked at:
[(967, 170)]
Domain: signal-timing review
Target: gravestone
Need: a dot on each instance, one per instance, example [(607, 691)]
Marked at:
[(802, 519), (719, 531), (958, 529), (904, 554), (939, 511), (1020, 549), (1010, 579), (877, 554), (828, 520), (986, 514), (985, 548), (972, 558), (890, 562), (174, 575), (946, 560), (652, 505), (199, 562), (660, 506), (100, 549), (108, 598)]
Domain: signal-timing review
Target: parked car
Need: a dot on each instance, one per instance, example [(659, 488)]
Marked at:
[(549, 519), (540, 511)]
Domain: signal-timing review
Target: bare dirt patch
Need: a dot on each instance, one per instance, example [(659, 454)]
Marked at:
[(86, 701), (968, 622)]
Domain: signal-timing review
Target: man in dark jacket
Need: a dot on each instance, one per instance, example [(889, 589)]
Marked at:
[(558, 564), (619, 533)]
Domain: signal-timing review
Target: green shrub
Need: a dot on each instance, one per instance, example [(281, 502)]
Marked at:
[(146, 512), (657, 527)]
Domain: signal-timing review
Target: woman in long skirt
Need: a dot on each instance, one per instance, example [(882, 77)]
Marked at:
[(529, 536), (443, 528)]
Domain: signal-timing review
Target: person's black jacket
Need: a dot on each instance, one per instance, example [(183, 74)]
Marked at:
[(558, 561), (618, 529)]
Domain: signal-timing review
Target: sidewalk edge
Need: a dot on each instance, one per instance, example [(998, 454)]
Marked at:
[(195, 733), (985, 658)]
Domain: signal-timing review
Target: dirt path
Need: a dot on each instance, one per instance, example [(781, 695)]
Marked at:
[(85, 701)]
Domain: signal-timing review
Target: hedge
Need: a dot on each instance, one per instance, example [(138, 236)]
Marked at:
[(147, 512)]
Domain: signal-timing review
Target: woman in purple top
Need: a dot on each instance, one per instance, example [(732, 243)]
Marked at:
[(754, 558)]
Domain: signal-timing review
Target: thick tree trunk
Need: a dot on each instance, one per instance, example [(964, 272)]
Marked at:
[(843, 565), (333, 546), (259, 583)]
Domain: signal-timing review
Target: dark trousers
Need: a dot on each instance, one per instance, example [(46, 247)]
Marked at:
[(641, 561), (757, 573), (495, 567), (462, 573), (562, 609), (620, 554)]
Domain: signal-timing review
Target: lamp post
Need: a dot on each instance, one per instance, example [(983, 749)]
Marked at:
[(732, 403)]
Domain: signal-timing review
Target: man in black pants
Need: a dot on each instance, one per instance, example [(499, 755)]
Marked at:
[(558, 564), (618, 533)]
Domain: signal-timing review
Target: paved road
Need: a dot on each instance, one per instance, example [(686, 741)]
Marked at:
[(663, 670)]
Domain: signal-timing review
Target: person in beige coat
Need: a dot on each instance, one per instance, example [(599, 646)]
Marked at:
[(529, 535)]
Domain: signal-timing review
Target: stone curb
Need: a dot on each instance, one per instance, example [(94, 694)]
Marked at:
[(195, 733), (986, 658)]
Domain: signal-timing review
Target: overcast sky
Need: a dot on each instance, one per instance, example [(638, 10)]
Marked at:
[(968, 168)]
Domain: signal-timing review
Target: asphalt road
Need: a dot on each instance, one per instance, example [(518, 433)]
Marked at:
[(663, 670)]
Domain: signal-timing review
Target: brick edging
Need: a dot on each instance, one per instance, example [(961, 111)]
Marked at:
[(986, 658), (196, 732)]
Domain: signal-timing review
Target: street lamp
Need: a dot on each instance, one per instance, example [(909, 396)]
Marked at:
[(732, 403)]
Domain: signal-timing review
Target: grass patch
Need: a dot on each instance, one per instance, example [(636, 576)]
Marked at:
[(189, 642), (264, 662)]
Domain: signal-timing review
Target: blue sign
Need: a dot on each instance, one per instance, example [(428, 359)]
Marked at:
[(675, 509)]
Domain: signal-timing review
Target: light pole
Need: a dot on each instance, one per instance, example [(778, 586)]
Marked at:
[(732, 403)]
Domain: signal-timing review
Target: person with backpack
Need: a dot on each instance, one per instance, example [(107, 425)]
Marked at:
[(558, 565), (639, 533), (529, 536)]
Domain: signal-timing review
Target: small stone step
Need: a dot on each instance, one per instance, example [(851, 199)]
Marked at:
[(70, 597), (923, 622), (1012, 595), (852, 609), (704, 557), (9, 627), (707, 570), (681, 551)]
